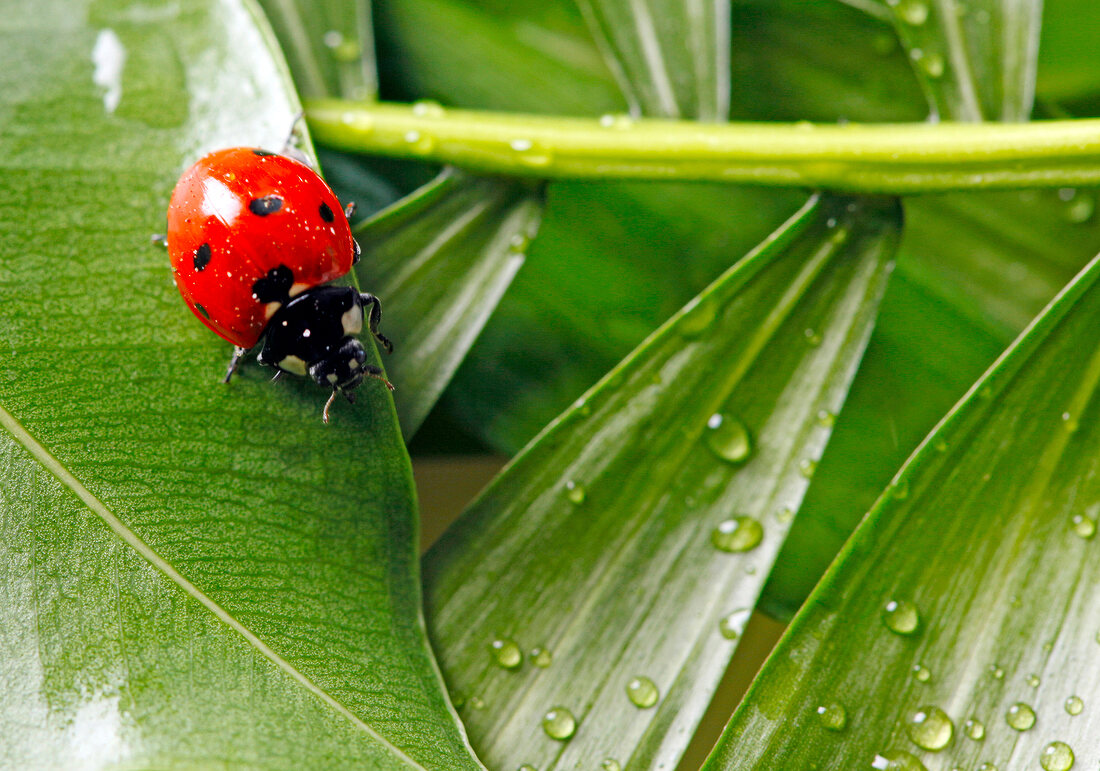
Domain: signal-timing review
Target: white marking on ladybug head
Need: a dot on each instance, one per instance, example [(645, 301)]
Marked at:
[(297, 288), (353, 364), (293, 365), (352, 320), (332, 378)]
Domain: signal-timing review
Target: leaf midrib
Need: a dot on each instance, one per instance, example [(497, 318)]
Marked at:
[(24, 438)]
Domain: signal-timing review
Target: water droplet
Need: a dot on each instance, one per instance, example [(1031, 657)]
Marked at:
[(737, 534), (610, 764), (642, 692), (974, 729), (559, 723), (1032, 681), (519, 242), (997, 671), (527, 767), (530, 153), (1074, 705), (833, 716), (541, 657), (428, 108), (785, 515), (807, 467), (458, 699), (361, 122), (699, 316), (1081, 209), (1020, 716), (419, 142), (728, 438), (1084, 526), (987, 767), (899, 488), (901, 617), (913, 12), (732, 626), (930, 728), (575, 492), (616, 121), (506, 653), (813, 339), (826, 419), (475, 702), (1056, 756), (921, 673), (342, 49), (897, 760)]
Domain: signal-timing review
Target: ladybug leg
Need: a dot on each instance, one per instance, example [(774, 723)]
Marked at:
[(238, 354), (350, 209), (331, 399), (374, 317), (372, 371)]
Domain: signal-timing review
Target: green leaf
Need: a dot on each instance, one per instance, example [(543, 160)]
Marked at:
[(671, 59), (975, 60), (194, 574), (438, 49), (988, 532), (329, 46), (972, 270), (442, 258), (595, 544)]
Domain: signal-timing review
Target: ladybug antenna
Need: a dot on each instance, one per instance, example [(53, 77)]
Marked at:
[(331, 399)]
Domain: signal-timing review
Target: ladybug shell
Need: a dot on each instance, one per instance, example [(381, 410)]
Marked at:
[(239, 213)]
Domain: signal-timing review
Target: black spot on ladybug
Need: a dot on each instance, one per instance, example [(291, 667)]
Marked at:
[(262, 153), (275, 286), (202, 257), (203, 311), (326, 213), (269, 204)]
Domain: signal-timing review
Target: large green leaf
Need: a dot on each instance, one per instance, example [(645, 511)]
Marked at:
[(329, 45), (671, 58), (972, 269), (975, 60), (598, 543), (194, 574), (443, 257), (961, 617)]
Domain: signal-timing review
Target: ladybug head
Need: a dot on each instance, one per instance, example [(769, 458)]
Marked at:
[(342, 369)]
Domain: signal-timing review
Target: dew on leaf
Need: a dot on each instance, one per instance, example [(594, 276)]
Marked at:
[(901, 617), (930, 728), (642, 692), (737, 534), (559, 723)]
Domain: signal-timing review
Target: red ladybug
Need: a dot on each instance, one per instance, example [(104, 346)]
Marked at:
[(254, 237)]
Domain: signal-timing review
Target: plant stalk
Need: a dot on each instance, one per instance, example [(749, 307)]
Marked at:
[(867, 158)]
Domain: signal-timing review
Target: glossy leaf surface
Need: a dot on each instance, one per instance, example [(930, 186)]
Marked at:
[(329, 45), (194, 574), (959, 623), (630, 539), (671, 58), (442, 258)]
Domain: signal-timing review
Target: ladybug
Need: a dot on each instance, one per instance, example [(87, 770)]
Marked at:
[(254, 238)]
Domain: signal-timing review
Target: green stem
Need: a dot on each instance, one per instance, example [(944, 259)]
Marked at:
[(871, 158)]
